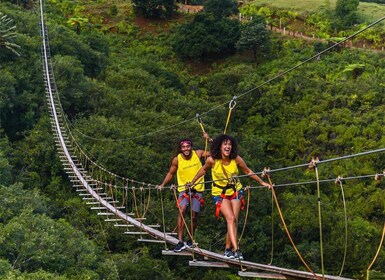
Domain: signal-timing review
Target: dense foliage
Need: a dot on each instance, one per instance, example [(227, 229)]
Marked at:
[(155, 8), (346, 12), (129, 98)]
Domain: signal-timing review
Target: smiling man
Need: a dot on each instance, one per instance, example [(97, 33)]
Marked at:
[(186, 163)]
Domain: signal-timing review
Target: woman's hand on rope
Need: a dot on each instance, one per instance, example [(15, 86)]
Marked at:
[(159, 187), (267, 185)]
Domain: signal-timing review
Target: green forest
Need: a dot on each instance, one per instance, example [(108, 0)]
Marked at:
[(132, 77)]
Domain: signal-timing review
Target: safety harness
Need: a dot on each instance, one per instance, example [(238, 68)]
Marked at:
[(229, 197), (231, 184), (186, 195)]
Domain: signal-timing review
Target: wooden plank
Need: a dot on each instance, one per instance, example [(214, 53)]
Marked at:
[(209, 264), (261, 275), (122, 225), (135, 232), (151, 240), (172, 253)]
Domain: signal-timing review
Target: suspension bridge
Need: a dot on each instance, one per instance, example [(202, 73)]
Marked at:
[(103, 197)]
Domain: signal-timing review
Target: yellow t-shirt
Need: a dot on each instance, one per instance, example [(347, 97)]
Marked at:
[(187, 169), (221, 179)]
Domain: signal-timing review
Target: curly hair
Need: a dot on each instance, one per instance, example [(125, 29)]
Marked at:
[(217, 143)]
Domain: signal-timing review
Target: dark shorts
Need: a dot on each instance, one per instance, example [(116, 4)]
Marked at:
[(218, 198)]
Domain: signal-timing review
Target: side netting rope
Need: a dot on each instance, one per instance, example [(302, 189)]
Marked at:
[(313, 164), (339, 181), (163, 220), (246, 214), (189, 233), (287, 230), (244, 222), (377, 253), (265, 171), (174, 187), (377, 177), (191, 223)]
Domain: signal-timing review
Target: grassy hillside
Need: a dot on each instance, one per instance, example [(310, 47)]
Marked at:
[(370, 11)]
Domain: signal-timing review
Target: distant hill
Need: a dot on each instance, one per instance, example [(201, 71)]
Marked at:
[(369, 10)]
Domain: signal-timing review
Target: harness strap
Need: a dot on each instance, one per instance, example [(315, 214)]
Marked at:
[(186, 196), (229, 197)]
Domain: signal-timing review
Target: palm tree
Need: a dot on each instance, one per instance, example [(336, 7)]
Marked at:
[(7, 33)]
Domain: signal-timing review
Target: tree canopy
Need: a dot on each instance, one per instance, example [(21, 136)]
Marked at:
[(155, 8), (128, 98)]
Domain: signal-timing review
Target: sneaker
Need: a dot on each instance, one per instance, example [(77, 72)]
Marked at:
[(238, 255), (228, 254), (189, 244), (179, 247)]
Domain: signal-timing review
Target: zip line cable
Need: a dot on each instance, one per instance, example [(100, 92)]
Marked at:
[(313, 57), (242, 94)]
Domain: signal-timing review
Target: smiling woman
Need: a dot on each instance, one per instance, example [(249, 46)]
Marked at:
[(227, 189)]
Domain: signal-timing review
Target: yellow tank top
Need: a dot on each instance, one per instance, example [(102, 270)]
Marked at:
[(221, 179), (187, 169)]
